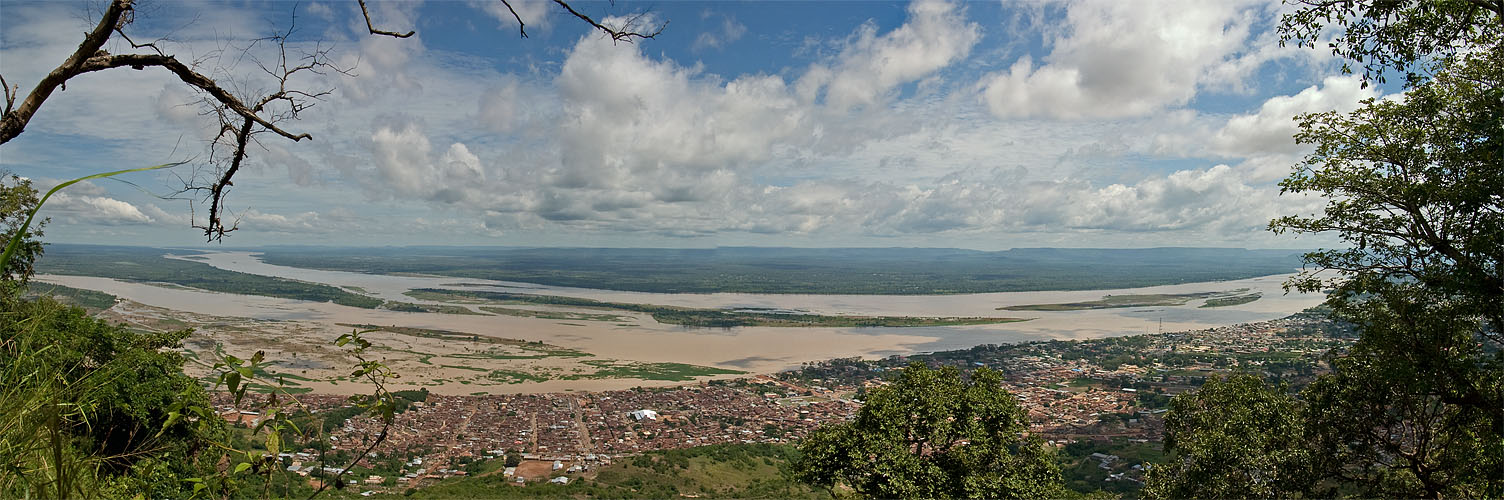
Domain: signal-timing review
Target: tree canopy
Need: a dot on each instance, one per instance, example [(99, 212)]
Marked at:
[(1410, 37), (17, 199), (931, 434), (1234, 438), (1414, 189)]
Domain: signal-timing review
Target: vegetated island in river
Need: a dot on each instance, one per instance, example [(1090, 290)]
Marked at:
[(1214, 299), (1232, 300), (702, 318)]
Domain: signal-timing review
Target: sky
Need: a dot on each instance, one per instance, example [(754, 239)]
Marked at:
[(985, 125)]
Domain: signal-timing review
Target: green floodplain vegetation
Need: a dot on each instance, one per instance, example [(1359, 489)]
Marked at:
[(863, 271), (1232, 300), (701, 318), (1227, 298), (562, 315), (91, 300), (149, 265), (393, 305), (515, 349)]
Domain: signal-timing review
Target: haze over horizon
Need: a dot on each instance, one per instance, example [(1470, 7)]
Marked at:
[(926, 124)]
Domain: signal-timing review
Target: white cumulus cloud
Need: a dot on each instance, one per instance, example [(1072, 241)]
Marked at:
[(1116, 59)]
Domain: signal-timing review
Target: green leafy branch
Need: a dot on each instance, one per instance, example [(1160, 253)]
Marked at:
[(237, 375), (380, 403), (20, 234)]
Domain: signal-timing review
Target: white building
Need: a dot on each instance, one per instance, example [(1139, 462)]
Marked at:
[(645, 414)]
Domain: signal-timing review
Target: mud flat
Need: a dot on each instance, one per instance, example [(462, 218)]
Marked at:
[(626, 348), (473, 354)]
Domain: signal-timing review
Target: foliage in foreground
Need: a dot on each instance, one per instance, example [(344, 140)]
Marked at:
[(83, 407), (1412, 185), (932, 434), (1234, 438)]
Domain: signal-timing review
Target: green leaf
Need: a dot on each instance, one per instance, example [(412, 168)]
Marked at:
[(172, 418), (241, 467), (15, 239)]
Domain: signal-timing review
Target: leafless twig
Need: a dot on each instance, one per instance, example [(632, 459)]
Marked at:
[(372, 28), (237, 131), (626, 33), (10, 94), (521, 26)]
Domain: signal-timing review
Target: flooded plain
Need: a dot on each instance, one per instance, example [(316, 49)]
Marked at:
[(637, 337)]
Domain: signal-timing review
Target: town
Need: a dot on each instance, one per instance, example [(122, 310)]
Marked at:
[(1101, 390)]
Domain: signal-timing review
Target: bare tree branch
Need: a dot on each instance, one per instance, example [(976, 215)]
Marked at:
[(215, 228), (372, 28), (242, 116), (14, 121), (238, 132), (521, 26), (188, 76), (623, 34), (10, 95)]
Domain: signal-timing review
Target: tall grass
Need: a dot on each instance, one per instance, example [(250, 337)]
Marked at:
[(41, 408)]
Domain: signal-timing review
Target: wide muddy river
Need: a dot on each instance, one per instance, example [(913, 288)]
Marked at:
[(756, 349)]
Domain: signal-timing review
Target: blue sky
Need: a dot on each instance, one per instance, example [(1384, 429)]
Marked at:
[(984, 125)]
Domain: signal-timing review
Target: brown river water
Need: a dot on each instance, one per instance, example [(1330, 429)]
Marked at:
[(754, 349)]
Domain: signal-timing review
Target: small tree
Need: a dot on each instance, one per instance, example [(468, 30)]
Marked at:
[(932, 434), (17, 200)]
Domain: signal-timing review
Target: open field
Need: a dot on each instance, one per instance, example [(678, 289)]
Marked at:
[(693, 317), (1144, 300)]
